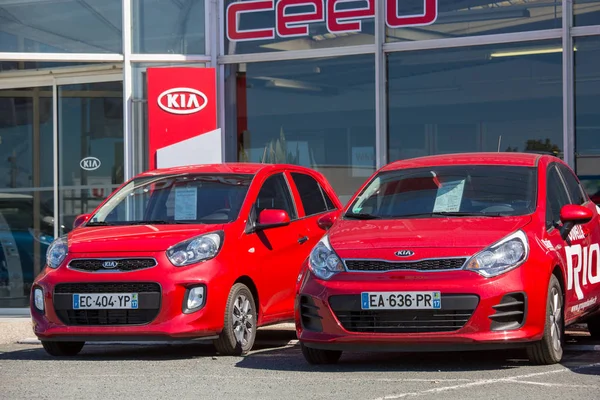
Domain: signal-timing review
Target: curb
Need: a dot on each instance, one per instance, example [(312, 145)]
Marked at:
[(32, 341)]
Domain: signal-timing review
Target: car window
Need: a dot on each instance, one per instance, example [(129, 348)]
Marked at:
[(556, 197), (573, 186), (179, 198), (275, 195), (314, 199), (454, 191)]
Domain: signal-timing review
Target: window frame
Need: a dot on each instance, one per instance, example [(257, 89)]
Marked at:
[(324, 195), (253, 217), (550, 227), (564, 172)]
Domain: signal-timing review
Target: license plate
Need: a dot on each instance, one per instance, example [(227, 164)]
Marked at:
[(101, 301), (401, 300)]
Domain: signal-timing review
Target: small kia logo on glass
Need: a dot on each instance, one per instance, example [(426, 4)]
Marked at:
[(110, 264), (404, 253)]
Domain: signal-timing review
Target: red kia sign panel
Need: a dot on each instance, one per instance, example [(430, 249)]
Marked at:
[(291, 19), (181, 106)]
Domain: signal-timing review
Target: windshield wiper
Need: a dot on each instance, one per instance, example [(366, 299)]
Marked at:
[(98, 223), (451, 214), (361, 216)]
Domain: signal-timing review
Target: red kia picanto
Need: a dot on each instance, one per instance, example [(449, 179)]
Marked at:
[(455, 252), (208, 252)]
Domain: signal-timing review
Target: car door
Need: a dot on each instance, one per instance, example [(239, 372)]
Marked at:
[(277, 252), (557, 197), (315, 202), (588, 252)]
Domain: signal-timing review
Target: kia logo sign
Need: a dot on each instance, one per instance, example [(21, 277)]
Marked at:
[(404, 253), (182, 101), (110, 264), (90, 163)]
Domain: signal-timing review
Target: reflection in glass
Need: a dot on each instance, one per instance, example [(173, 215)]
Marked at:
[(26, 205), (587, 114), (67, 26), (315, 113), (168, 27), (458, 18), (586, 12), (481, 98), (90, 131)]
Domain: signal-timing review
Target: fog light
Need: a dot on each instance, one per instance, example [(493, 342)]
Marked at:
[(195, 298), (38, 299)]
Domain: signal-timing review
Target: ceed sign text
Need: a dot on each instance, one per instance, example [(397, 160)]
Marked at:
[(291, 22)]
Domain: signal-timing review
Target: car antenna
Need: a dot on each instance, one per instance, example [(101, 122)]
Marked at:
[(499, 141)]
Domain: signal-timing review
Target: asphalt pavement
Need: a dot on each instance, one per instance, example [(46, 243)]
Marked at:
[(277, 370)]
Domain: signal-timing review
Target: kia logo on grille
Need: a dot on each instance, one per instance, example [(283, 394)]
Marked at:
[(182, 101), (110, 264), (404, 253)]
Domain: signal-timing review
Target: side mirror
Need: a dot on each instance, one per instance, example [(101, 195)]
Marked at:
[(80, 220), (272, 219), (327, 221), (571, 215)]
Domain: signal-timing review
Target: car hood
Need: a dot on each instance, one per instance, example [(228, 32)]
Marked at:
[(133, 238), (476, 232)]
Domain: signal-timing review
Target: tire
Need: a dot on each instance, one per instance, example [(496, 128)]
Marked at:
[(320, 357), (62, 349), (549, 350), (594, 327), (239, 328)]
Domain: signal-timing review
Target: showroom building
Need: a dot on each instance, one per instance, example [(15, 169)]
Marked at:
[(342, 86)]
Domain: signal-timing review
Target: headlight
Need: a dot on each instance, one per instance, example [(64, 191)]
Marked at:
[(501, 257), (323, 261), (197, 249), (57, 252)]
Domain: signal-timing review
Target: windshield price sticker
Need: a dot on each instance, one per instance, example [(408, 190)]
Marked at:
[(186, 203), (101, 301), (401, 300), (449, 196)]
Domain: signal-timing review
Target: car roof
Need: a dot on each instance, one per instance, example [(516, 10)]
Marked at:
[(223, 168), (481, 158)]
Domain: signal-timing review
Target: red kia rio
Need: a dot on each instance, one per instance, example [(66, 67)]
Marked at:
[(455, 252), (209, 252)]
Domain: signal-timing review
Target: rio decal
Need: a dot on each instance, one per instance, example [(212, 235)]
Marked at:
[(290, 22), (583, 268)]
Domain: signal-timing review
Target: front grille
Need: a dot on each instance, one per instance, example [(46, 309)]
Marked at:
[(422, 265), (106, 317), (149, 295), (120, 265), (107, 287), (456, 311)]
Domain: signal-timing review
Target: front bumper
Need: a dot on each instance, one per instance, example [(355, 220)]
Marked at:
[(160, 316), (476, 313)]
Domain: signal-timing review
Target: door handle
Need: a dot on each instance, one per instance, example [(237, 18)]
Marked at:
[(303, 239)]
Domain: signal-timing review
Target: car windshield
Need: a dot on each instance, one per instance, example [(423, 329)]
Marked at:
[(448, 191), (175, 199)]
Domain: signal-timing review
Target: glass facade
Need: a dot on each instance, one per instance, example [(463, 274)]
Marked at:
[(68, 26), (169, 27), (482, 98), (342, 86), (458, 18), (316, 113)]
